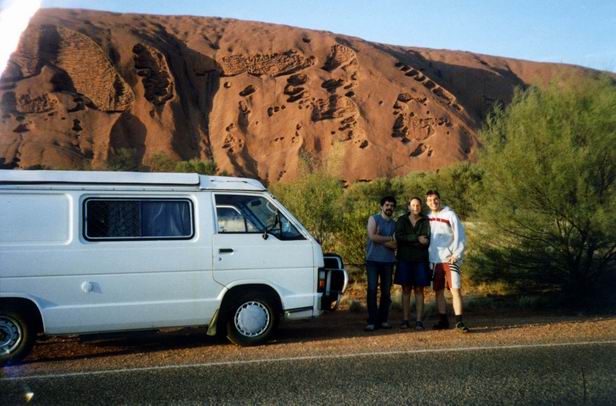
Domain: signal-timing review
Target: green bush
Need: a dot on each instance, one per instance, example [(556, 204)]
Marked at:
[(338, 217), (159, 162), (457, 184), (314, 199), (207, 167), (547, 208), (123, 159), (350, 240)]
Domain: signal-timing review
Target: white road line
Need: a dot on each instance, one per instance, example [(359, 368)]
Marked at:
[(302, 358)]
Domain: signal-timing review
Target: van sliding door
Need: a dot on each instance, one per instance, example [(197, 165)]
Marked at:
[(142, 263)]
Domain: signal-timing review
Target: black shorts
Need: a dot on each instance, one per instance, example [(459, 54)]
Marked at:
[(411, 273)]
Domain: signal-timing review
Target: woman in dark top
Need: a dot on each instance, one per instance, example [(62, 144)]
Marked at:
[(413, 271)]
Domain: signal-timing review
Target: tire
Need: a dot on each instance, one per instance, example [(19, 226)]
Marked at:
[(16, 336), (251, 319)]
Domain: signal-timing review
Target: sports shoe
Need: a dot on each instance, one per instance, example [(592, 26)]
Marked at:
[(369, 327), (405, 324), (461, 327), (441, 325), (385, 326), (419, 326)]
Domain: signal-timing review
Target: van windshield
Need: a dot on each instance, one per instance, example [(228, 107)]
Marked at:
[(253, 214)]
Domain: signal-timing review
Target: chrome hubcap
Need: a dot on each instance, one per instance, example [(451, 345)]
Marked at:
[(252, 319), (10, 335)]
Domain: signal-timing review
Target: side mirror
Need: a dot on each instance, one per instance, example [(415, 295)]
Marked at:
[(271, 227)]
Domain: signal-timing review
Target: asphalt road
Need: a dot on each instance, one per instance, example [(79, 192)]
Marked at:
[(580, 373)]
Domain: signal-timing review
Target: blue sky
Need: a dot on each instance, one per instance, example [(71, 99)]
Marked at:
[(578, 32)]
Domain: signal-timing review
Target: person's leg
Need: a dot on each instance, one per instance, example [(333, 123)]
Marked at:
[(402, 277), (419, 302), (421, 279), (386, 276), (406, 305), (458, 306), (439, 292), (373, 275), (456, 295), (441, 306), (441, 303)]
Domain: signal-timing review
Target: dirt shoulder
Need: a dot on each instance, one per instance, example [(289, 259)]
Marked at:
[(333, 334)]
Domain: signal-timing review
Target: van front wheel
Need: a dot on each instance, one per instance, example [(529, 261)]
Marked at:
[(16, 336), (251, 319)]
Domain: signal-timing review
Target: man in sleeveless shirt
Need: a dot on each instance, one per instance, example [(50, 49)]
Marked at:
[(446, 251), (380, 258)]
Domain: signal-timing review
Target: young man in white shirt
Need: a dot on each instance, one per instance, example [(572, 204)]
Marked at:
[(446, 251)]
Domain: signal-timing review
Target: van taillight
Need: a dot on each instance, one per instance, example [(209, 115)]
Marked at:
[(321, 280)]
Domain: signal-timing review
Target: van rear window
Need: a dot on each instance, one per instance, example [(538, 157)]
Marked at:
[(137, 219)]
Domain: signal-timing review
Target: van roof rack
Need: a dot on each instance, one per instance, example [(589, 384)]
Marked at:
[(43, 177), (228, 183), (95, 177)]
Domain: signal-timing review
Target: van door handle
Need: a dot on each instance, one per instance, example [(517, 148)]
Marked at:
[(225, 250)]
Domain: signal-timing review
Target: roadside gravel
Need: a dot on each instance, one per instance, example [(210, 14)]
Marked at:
[(333, 334)]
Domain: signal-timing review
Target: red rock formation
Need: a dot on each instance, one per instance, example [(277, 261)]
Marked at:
[(254, 97)]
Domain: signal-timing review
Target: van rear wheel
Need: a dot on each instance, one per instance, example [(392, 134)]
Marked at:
[(16, 336), (251, 319)]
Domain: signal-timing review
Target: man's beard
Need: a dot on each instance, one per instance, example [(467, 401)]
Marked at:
[(389, 212)]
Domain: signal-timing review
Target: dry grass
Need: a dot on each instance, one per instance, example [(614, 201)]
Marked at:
[(477, 298)]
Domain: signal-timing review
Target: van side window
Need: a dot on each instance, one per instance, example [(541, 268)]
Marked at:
[(137, 219), (253, 214)]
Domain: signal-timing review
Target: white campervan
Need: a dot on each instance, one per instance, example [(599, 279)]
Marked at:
[(91, 252)]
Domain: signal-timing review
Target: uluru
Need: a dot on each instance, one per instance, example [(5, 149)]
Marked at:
[(255, 98)]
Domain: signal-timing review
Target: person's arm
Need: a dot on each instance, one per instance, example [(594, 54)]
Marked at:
[(403, 237), (424, 233), (374, 235), (392, 245), (400, 234), (457, 245)]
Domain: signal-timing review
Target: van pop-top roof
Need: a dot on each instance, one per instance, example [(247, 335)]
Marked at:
[(27, 177)]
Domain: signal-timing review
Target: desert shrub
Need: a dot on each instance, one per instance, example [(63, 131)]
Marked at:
[(314, 198), (123, 159), (160, 162), (356, 306), (203, 167), (457, 185), (372, 191), (546, 216), (350, 240)]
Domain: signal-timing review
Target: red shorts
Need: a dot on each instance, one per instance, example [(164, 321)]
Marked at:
[(444, 277)]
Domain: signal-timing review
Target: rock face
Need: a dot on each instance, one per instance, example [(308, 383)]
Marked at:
[(254, 97)]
